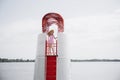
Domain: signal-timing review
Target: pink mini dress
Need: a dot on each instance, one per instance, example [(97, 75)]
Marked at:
[(51, 39)]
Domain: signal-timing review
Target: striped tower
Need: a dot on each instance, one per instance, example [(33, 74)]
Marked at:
[(47, 65)]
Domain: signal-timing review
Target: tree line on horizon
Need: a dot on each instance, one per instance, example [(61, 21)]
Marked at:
[(95, 60), (16, 60), (72, 60)]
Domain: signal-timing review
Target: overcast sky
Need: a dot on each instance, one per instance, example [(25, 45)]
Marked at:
[(92, 27)]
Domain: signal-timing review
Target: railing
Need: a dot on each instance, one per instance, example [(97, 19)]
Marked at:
[(51, 50)]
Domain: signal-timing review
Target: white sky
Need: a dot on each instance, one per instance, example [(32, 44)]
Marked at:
[(92, 27)]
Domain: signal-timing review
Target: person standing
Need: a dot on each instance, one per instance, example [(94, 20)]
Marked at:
[(51, 39)]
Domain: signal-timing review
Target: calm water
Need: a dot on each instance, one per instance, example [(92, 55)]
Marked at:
[(79, 71), (95, 71), (16, 71)]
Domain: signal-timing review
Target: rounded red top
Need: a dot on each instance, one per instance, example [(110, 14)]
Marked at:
[(52, 18)]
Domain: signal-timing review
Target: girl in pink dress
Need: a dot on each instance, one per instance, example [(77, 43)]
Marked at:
[(51, 38)]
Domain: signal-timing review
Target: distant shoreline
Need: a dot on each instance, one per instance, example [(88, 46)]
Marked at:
[(95, 60), (2, 60), (15, 60)]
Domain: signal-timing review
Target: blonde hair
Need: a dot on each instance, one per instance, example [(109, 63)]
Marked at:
[(50, 32)]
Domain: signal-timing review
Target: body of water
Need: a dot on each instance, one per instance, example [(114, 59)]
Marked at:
[(95, 71), (17, 71), (78, 71)]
